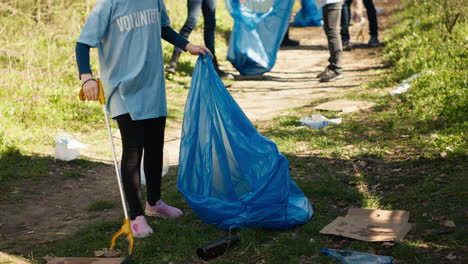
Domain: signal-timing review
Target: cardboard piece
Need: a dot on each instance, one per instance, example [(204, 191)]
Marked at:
[(345, 106), (370, 225), (86, 261)]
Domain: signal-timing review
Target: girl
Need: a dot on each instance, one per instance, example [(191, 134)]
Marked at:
[(128, 37)]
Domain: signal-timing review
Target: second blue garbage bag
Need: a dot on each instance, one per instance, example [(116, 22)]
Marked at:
[(309, 15), (259, 27), (230, 175)]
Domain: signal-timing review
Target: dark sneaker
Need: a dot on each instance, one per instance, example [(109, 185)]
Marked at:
[(171, 68), (224, 75), (289, 43), (322, 73), (331, 75), (347, 46), (374, 41)]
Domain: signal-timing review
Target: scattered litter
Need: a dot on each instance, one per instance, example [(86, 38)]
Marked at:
[(451, 256), (216, 248), (345, 106), (404, 85), (370, 225), (355, 257), (86, 261), (107, 253), (449, 223), (388, 244), (67, 148), (379, 10), (319, 121)]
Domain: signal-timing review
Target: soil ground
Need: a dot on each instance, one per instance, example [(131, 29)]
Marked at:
[(62, 209)]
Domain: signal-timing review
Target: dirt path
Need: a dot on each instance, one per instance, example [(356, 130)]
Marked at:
[(292, 82), (62, 210)]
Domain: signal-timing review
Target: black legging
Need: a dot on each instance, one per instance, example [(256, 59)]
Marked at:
[(139, 135)]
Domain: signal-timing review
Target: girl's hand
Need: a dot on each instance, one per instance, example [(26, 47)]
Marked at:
[(197, 50), (90, 87)]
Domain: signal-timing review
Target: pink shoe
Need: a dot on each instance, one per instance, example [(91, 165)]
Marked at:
[(163, 210), (140, 227)]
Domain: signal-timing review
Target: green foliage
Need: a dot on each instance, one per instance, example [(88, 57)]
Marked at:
[(430, 38)]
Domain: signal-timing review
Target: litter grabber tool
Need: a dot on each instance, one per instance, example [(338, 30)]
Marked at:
[(125, 229)]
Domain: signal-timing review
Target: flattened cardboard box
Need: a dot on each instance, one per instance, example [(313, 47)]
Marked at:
[(370, 225), (86, 261)]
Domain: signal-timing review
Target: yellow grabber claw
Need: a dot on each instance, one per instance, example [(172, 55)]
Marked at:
[(126, 228)]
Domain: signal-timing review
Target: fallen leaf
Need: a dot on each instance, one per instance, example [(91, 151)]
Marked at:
[(388, 244), (437, 179), (399, 186), (449, 223), (108, 253), (451, 256)]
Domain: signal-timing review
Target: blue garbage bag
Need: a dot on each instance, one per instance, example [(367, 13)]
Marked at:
[(309, 15), (259, 27), (355, 257), (230, 175)]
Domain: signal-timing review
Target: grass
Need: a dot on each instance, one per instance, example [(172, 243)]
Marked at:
[(101, 205), (407, 153)]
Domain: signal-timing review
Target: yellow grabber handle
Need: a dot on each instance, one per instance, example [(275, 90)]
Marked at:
[(101, 97), (126, 228)]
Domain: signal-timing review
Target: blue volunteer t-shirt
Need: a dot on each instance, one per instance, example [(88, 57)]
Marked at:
[(127, 34)]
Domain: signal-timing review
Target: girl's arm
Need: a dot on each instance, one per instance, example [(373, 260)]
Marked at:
[(169, 35), (88, 82)]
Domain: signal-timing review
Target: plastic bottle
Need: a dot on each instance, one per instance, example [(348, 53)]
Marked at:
[(67, 148), (216, 248), (355, 257)]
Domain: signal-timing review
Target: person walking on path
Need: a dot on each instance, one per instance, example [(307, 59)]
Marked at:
[(194, 7), (331, 11), (128, 37), (346, 20)]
